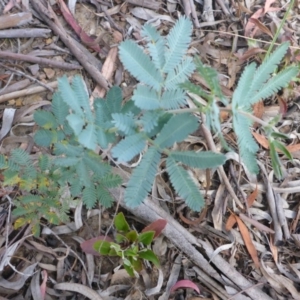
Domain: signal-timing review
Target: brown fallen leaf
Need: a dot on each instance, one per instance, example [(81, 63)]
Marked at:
[(248, 241), (261, 140)]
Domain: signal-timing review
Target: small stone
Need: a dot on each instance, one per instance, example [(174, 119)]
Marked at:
[(50, 73), (34, 69)]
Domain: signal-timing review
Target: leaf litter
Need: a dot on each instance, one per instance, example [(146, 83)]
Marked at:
[(227, 36)]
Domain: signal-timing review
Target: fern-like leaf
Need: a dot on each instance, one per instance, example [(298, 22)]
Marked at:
[(114, 100), (178, 41), (277, 82), (76, 123), (82, 96), (150, 119), (263, 72), (104, 196), (93, 161), (87, 137), (246, 143), (3, 163), (20, 157), (156, 45), (145, 98), (111, 181), (173, 99), (125, 123), (201, 160), (89, 196), (128, 148), (184, 185), (45, 119), (59, 108), (176, 130), (180, 73), (67, 149), (139, 64), (141, 180), (243, 85), (69, 96)]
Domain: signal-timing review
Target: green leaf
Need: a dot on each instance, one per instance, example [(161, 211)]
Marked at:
[(276, 83), (45, 119), (59, 108), (3, 163), (87, 137), (276, 164), (111, 180), (105, 197), (246, 142), (103, 247), (184, 185), (279, 135), (173, 99), (114, 100), (129, 270), (124, 122), (79, 87), (201, 160), (89, 196), (180, 73), (283, 149), (156, 45), (146, 238), (141, 180), (139, 64), (178, 41), (121, 223), (149, 255), (177, 129), (145, 98), (132, 236), (128, 148), (69, 96), (76, 122), (20, 157)]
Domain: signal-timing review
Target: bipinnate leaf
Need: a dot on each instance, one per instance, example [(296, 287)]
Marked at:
[(146, 237), (89, 196), (128, 148), (184, 284), (105, 196), (156, 226), (139, 64), (201, 160), (178, 41), (44, 137), (247, 145), (121, 223), (149, 255), (145, 98), (80, 89), (68, 95), (180, 73), (239, 93), (262, 74), (177, 129), (45, 119), (59, 108), (184, 185), (87, 137), (124, 122), (141, 180), (173, 99), (156, 45), (76, 123), (277, 82), (114, 100)]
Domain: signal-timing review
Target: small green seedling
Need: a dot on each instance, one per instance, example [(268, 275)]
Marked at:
[(132, 247)]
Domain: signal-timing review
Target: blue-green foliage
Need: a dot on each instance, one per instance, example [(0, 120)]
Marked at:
[(166, 66), (74, 156), (254, 85)]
